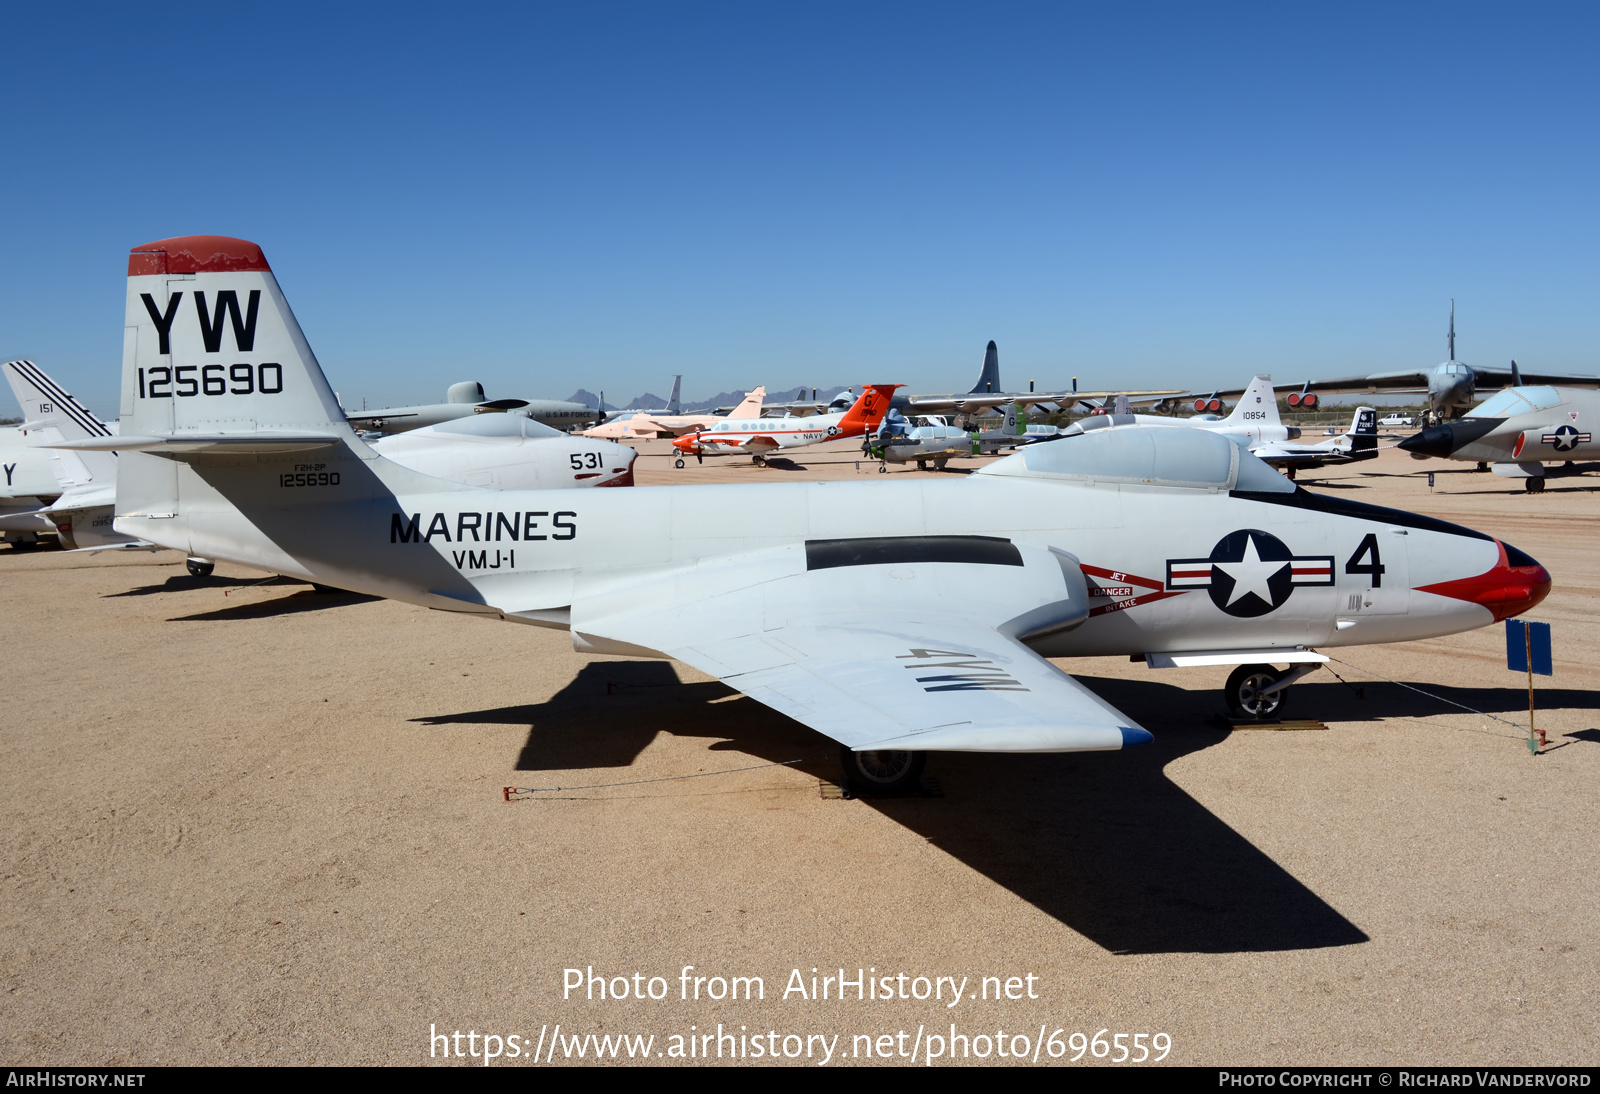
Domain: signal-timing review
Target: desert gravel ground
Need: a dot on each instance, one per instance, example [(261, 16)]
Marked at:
[(256, 824)]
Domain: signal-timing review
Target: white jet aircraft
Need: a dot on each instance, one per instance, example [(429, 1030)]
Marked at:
[(1255, 418), (897, 617), (28, 488)]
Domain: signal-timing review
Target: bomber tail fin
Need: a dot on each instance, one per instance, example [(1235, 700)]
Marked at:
[(989, 378), (673, 406), (1516, 374), (1258, 405)]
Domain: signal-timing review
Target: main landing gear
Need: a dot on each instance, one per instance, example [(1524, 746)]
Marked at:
[(1534, 485), (759, 460), (199, 567), (1252, 691), (878, 772)]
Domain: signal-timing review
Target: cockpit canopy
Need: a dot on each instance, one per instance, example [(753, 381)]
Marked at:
[(498, 425), (1516, 400), (1194, 459)]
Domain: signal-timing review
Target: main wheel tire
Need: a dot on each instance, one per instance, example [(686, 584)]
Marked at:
[(1534, 485), (199, 567), (1243, 692), (882, 772), (922, 465), (759, 461), (938, 465)]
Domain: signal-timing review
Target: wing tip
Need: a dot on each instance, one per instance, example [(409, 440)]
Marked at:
[(1131, 736)]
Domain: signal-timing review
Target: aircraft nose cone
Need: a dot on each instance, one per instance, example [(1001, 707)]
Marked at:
[(1436, 440), (1443, 440), (1516, 584)]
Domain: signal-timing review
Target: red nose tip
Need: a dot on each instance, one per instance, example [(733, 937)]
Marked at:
[(1515, 584)]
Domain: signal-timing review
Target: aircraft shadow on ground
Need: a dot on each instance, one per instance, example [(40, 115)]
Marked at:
[(1331, 701), (182, 583), (1103, 842), (308, 601)]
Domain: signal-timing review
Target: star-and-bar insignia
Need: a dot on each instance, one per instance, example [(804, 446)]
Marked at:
[(1565, 439), (1250, 572)]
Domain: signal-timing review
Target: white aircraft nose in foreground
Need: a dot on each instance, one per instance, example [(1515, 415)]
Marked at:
[(897, 617)]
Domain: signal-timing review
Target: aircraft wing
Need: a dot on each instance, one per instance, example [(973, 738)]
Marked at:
[(860, 665), (1408, 380), (980, 402), (26, 520), (1488, 377), (377, 415)]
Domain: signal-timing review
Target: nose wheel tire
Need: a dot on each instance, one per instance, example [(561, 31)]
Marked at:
[(678, 462), (883, 772), (200, 567), (1244, 688)]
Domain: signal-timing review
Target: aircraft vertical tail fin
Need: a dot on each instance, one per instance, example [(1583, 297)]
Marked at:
[(1364, 429), (211, 347), (1258, 405), (989, 378), (749, 407), (1516, 374), (51, 414), (868, 410), (1016, 423), (673, 406)]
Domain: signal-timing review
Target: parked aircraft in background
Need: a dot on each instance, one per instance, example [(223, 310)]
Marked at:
[(35, 478), (761, 437), (1452, 387), (898, 440), (1254, 418), (1359, 442), (988, 394), (504, 451), (897, 618), (1518, 431), (649, 425), (803, 408), (80, 515), (467, 398)]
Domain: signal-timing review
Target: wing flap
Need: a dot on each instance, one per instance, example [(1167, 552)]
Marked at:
[(916, 684)]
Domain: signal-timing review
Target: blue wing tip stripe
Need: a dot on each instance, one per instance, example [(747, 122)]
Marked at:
[(1131, 736)]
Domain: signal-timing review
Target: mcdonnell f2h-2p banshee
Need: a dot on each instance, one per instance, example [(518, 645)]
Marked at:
[(896, 617)]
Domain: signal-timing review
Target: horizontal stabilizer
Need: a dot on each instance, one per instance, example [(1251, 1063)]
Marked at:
[(241, 444)]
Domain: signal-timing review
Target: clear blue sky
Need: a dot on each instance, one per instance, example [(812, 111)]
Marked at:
[(602, 195)]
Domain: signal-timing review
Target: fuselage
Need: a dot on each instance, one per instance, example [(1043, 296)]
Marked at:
[(1170, 569)]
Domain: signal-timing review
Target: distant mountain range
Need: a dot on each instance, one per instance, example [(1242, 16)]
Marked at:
[(649, 401)]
